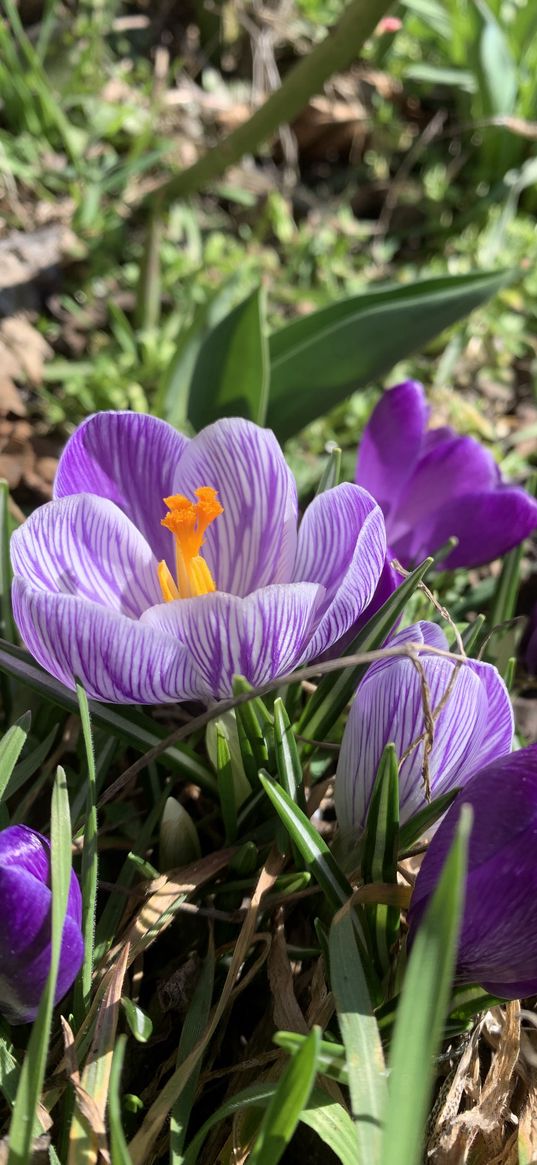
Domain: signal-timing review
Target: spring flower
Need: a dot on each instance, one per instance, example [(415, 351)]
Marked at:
[(474, 724), (433, 485), (25, 934), (146, 600), (498, 939)]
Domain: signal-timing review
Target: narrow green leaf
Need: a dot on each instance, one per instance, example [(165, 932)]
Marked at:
[(11, 746), (231, 374), (89, 870), (315, 852), (336, 689), (33, 1068), (9, 1066), (118, 1145), (318, 360), (287, 757), (27, 767), (415, 828), (195, 1022), (379, 855), (253, 719), (285, 1108), (130, 725), (505, 597), (226, 784), (472, 634), (332, 472), (331, 1059), (423, 1007), (358, 1026), (139, 1023)]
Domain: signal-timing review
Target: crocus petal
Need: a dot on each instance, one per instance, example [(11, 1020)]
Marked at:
[(253, 542), (342, 545), (25, 906), (85, 546), (114, 657), (451, 467), (131, 459), (497, 942), (487, 524), (23, 848), (473, 722), (391, 443), (260, 637)]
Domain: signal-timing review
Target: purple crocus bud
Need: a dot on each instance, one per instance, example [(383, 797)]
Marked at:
[(434, 485), (474, 724), (498, 938), (165, 566), (25, 934)]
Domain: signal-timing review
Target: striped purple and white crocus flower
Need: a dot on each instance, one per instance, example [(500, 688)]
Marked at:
[(474, 726), (165, 565)]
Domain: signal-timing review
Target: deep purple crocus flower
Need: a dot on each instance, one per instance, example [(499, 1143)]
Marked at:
[(434, 484), (144, 606), (498, 939), (25, 933), (474, 725)]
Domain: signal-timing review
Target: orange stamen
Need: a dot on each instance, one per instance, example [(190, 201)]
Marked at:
[(188, 522)]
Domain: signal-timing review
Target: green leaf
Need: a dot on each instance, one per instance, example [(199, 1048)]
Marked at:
[(130, 725), (505, 597), (11, 747), (285, 1106), (172, 398), (231, 375), (195, 1022), (118, 1145), (253, 721), (33, 1069), (226, 786), (28, 767), (337, 688), (331, 1060), (413, 829), (358, 1026), (287, 757), (89, 870), (332, 472), (319, 359), (315, 852), (139, 1023), (379, 856), (423, 1008), (496, 69)]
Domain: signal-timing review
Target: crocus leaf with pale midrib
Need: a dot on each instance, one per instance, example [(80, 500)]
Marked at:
[(474, 725), (498, 938), (96, 573), (436, 484), (25, 938)]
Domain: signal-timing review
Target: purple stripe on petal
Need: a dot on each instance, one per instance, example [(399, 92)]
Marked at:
[(473, 722), (391, 443), (260, 637), (115, 658), (131, 459), (342, 544), (253, 542), (85, 546)]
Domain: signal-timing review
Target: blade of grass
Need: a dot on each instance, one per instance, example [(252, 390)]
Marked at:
[(33, 1068), (365, 1058), (89, 869), (423, 1007), (11, 747), (195, 1021), (284, 1109)]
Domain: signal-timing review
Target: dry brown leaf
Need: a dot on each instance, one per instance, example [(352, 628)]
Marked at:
[(285, 1008), (481, 1129)]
